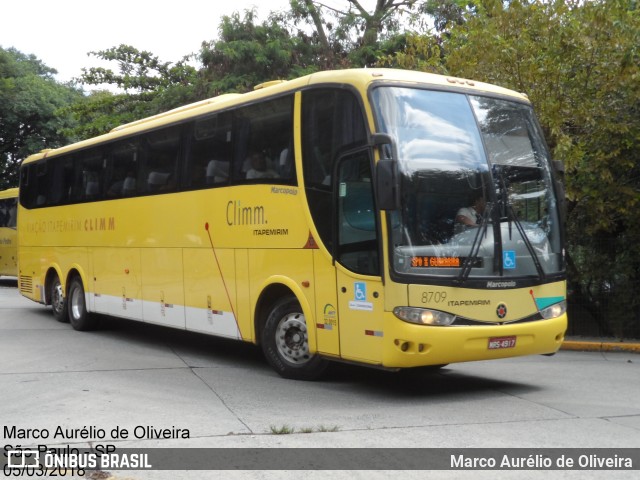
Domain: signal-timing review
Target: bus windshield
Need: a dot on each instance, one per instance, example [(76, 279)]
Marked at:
[(477, 197)]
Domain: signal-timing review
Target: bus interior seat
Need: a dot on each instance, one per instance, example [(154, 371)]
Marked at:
[(157, 180), (92, 189), (129, 186), (217, 172)]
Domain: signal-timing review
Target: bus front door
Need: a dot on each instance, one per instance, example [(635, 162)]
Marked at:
[(360, 308), (357, 255)]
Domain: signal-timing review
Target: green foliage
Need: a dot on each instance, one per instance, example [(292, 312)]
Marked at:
[(580, 64), (140, 71), (150, 87), (283, 430), (412, 52), (30, 118), (248, 53), (101, 111), (447, 14), (350, 35)]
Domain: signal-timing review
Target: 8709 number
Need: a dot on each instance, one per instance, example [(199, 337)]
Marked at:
[(434, 297)]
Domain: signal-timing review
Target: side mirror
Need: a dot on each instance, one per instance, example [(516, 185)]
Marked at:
[(387, 191), (558, 167)]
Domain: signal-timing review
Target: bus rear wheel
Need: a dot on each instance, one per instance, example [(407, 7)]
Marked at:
[(285, 342), (58, 300), (79, 318)]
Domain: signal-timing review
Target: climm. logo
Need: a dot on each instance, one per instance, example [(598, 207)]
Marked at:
[(100, 224), (240, 215)]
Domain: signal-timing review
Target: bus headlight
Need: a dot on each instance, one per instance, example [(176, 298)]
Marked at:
[(554, 311), (423, 316)]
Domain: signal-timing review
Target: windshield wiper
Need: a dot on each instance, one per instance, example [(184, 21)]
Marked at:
[(475, 248), (511, 213), (499, 176)]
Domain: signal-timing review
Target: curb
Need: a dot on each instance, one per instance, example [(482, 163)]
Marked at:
[(582, 346)]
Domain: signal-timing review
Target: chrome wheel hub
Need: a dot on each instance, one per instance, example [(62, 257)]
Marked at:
[(76, 304), (57, 300), (292, 339)]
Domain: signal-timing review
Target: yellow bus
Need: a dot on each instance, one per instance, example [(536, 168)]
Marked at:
[(8, 234), (319, 218)]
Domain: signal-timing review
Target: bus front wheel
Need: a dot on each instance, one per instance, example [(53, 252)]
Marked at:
[(285, 342), (58, 300), (79, 318)]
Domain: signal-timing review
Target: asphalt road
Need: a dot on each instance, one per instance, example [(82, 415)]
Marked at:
[(154, 381)]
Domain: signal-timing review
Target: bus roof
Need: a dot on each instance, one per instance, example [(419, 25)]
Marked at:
[(360, 78)]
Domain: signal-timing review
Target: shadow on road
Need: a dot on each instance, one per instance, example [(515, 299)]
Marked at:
[(8, 282), (412, 383)]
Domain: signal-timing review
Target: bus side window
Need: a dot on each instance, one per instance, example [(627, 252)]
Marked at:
[(331, 120), (357, 226), (28, 187), (63, 180), (90, 176), (264, 142), (123, 170), (162, 150), (8, 213), (209, 158)]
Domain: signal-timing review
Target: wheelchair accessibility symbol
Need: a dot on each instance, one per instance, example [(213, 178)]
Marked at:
[(509, 259), (359, 301)]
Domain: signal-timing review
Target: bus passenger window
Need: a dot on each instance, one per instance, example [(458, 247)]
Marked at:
[(332, 120), (122, 174), (162, 149), (8, 212), (43, 182), (89, 177), (263, 151), (63, 180), (209, 158)]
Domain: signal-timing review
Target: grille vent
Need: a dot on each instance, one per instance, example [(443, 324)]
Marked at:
[(26, 285)]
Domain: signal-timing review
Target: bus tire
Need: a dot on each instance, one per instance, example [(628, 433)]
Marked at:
[(79, 318), (285, 343), (58, 300)]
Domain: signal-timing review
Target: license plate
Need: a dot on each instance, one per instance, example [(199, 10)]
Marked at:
[(496, 343)]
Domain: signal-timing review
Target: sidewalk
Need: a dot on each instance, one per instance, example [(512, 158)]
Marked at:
[(594, 344)]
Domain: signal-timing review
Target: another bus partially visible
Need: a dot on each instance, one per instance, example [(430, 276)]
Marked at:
[(8, 233), (314, 217)]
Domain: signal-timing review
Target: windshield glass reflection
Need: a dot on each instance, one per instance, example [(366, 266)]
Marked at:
[(476, 196)]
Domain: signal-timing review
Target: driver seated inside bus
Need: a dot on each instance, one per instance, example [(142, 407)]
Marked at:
[(470, 216), (259, 168)]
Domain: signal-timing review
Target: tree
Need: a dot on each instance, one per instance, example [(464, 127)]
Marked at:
[(411, 51), (350, 36), (447, 14), (149, 86), (579, 62), (30, 103), (248, 53), (138, 71)]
